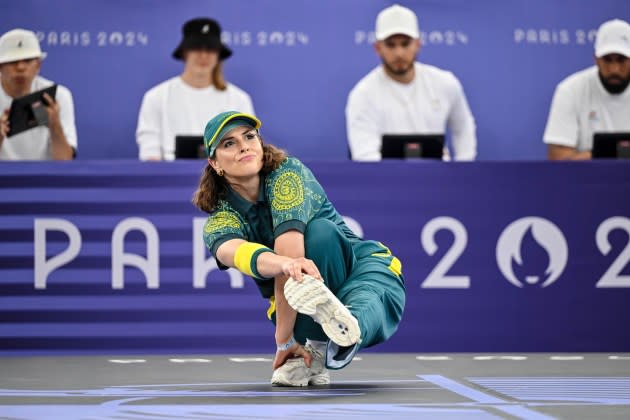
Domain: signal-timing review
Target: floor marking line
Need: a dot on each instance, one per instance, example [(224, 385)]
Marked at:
[(367, 381), (518, 358), (524, 413), (462, 389), (481, 397)]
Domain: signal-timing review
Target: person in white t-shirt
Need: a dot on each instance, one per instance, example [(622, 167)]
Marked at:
[(183, 104), (403, 96), (20, 61), (593, 100)]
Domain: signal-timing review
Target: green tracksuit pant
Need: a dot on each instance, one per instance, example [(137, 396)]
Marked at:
[(364, 275)]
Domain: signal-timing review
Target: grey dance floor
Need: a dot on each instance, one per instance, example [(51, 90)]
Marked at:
[(391, 386)]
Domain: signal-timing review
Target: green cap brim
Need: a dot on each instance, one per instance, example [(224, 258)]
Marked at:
[(225, 125)]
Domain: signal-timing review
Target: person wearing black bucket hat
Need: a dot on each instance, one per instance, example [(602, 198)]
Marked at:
[(183, 104), (201, 33)]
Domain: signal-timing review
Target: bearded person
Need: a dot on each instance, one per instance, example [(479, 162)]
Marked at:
[(403, 96), (593, 100)]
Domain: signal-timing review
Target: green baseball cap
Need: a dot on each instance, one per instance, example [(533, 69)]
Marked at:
[(218, 126)]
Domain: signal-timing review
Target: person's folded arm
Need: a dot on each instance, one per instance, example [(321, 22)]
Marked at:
[(559, 152), (362, 127), (461, 123), (148, 129)]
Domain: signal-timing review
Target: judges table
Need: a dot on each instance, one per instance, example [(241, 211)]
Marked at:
[(107, 256)]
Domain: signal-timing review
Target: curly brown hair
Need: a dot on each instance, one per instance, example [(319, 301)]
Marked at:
[(213, 187)]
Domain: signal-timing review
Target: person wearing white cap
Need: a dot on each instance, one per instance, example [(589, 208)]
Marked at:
[(183, 104), (596, 99), (403, 96), (20, 61)]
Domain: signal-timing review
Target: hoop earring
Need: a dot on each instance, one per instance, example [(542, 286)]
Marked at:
[(220, 172)]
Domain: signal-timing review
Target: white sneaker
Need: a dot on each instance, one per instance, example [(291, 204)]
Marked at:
[(295, 372), (311, 297), (319, 373)]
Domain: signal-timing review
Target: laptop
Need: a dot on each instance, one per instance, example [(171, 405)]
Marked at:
[(409, 146), (29, 111), (189, 147), (614, 145)]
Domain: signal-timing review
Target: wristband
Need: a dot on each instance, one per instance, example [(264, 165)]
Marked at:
[(246, 255), (286, 346)]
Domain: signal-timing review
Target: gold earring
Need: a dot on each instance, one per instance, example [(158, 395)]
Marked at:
[(220, 172)]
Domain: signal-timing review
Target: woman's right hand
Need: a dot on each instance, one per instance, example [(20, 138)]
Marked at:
[(297, 350), (295, 267)]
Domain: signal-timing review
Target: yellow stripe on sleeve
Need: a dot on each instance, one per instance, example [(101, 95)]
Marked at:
[(244, 255), (272, 307), (395, 266)]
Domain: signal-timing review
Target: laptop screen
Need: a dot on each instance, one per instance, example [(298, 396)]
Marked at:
[(406, 146), (189, 147), (611, 145)]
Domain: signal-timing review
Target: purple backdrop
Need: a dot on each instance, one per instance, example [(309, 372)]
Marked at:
[(497, 257), (300, 59)]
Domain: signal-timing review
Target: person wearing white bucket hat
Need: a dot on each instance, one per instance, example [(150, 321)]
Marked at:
[(20, 63), (596, 99), (403, 96)]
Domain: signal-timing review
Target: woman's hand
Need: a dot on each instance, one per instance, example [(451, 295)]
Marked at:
[(295, 267), (297, 350)]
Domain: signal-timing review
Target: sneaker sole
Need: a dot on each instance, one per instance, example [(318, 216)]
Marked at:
[(284, 382), (311, 297), (321, 379)]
